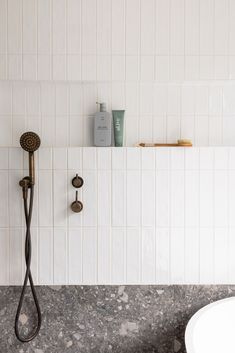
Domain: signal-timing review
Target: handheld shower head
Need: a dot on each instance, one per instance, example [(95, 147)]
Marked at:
[(30, 141)]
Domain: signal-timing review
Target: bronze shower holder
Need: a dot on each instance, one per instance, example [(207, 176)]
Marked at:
[(76, 205)]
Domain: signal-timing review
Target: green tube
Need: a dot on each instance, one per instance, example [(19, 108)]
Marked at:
[(118, 124)]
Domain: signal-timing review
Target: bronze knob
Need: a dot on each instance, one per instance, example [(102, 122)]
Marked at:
[(77, 181), (77, 206)]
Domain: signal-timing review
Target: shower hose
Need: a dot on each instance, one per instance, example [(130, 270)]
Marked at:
[(28, 276)]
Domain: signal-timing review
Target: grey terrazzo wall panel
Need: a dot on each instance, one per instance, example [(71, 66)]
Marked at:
[(119, 319)]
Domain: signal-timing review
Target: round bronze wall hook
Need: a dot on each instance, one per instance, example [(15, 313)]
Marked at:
[(77, 206), (77, 181)]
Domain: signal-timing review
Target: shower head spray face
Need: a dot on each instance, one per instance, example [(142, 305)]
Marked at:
[(30, 141)]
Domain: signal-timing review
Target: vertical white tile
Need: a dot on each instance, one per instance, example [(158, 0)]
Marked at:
[(45, 198), (3, 67), (220, 198), (206, 63), (231, 197), (133, 198), (76, 125), (162, 256), (177, 245), (104, 27), (206, 255), (191, 67), (44, 26), (118, 68), (159, 129), (89, 158), (148, 159), (148, 256), (119, 198), (35, 256), (118, 27), (177, 199), (221, 156), (89, 11), (75, 158), (47, 99), (118, 158), (118, 256), (4, 256), (45, 264), (15, 67), (16, 256), (206, 198), (104, 198), (177, 158), (60, 158), (162, 158), (89, 248), (221, 256), (75, 256), (60, 256), (61, 131), (221, 29), (162, 199), (132, 27), (188, 100), (19, 99), (192, 255), (173, 128), (206, 158), (59, 26), (15, 198), (162, 27), (6, 98), (14, 21), (104, 255), (61, 99), (202, 130), (231, 259), (192, 27), (133, 256), (147, 27), (162, 68), (60, 198), (177, 27), (45, 158), (215, 130), (29, 26), (206, 27), (3, 26), (133, 158), (89, 198), (59, 67), (104, 158), (15, 158), (191, 198), (148, 199), (4, 158), (231, 28), (74, 26)]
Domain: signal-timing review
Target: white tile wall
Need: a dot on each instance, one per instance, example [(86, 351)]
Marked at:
[(155, 216), (62, 113), (169, 63), (117, 40)]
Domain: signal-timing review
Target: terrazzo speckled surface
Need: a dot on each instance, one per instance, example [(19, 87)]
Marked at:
[(130, 319)]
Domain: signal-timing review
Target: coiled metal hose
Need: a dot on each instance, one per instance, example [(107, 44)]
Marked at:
[(28, 275)]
